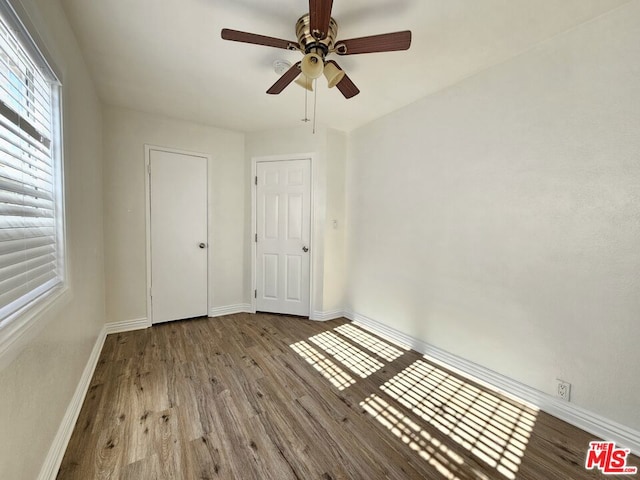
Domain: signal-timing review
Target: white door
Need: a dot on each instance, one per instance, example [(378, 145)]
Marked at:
[(178, 189), (283, 215)]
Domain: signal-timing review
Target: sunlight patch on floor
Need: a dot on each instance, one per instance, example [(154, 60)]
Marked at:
[(338, 377), (446, 461), (370, 342), (359, 362), (494, 430)]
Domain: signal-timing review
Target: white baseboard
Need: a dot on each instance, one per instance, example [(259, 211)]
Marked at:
[(588, 421), (52, 462), (324, 316), (127, 325), (230, 310)]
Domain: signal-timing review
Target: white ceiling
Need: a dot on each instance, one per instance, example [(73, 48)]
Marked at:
[(167, 57)]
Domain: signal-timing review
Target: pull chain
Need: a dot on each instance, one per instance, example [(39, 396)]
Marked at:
[(306, 101), (315, 103)]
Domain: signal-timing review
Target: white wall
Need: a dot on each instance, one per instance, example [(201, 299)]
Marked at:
[(125, 134), (329, 149), (36, 387), (334, 244), (500, 219)]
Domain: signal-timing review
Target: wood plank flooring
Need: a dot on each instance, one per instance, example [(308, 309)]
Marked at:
[(277, 397)]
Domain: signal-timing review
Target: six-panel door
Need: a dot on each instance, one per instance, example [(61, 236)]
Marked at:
[(283, 215)]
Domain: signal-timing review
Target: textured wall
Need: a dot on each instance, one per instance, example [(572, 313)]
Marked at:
[(125, 134), (36, 388), (500, 219)]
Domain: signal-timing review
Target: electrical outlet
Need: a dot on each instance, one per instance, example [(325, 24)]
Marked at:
[(563, 390)]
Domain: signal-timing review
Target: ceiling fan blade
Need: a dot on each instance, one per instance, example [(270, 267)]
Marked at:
[(386, 42), (284, 81), (319, 18), (347, 87), (245, 37)]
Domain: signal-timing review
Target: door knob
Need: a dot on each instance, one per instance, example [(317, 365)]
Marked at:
[(202, 245), (305, 249)]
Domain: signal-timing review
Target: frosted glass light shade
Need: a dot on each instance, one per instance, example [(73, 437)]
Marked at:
[(305, 82), (312, 65), (333, 74)]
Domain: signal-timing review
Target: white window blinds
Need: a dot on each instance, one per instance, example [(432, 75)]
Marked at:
[(30, 238)]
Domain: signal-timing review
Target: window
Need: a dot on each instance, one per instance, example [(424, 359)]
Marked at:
[(31, 240)]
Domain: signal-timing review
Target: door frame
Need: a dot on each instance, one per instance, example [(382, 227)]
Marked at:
[(148, 148), (254, 219)]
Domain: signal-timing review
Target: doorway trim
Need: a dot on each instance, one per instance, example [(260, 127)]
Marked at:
[(254, 218), (148, 148)]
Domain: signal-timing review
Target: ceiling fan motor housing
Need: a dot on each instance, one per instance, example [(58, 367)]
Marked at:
[(309, 44)]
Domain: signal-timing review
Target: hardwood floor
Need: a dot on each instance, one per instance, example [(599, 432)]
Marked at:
[(276, 397)]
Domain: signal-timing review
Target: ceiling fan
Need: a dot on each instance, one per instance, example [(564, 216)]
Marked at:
[(317, 32)]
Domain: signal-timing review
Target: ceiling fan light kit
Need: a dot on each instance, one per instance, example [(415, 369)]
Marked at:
[(333, 74), (305, 82), (312, 66), (317, 32)]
